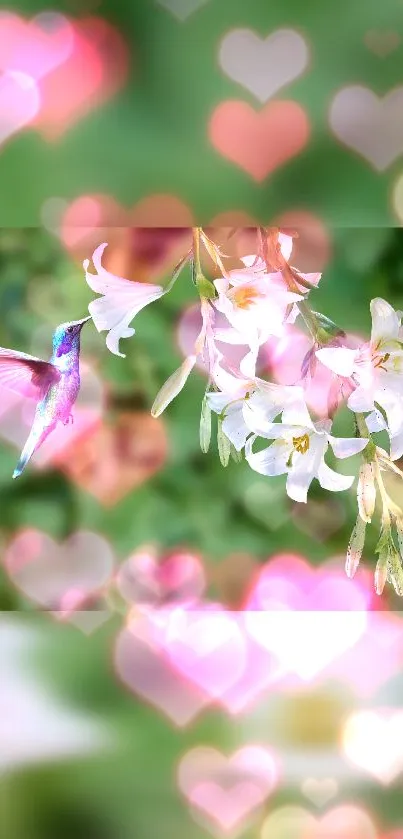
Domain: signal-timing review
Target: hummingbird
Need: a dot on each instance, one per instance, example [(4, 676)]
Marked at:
[(54, 384)]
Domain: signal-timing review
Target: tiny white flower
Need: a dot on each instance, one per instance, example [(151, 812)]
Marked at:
[(299, 450), (120, 303), (247, 403), (377, 371)]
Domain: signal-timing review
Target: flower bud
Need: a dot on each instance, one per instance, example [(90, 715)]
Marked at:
[(205, 426), (383, 549), (355, 548), (395, 570), (399, 530), (224, 444), (173, 386), (205, 287), (366, 492), (381, 573)]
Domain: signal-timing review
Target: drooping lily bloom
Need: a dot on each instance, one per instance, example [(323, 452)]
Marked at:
[(120, 302), (377, 371), (299, 450), (245, 402)]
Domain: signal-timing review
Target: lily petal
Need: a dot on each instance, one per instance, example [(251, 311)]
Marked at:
[(121, 301), (385, 321), (347, 446), (375, 422), (340, 360), (296, 412), (305, 468), (333, 481), (361, 400), (271, 461)]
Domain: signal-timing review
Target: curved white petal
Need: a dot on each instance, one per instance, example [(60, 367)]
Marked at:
[(304, 468), (173, 386), (265, 404), (375, 422), (230, 335), (296, 412), (272, 460), (347, 446), (385, 321), (340, 360), (234, 426), (298, 483), (396, 446), (392, 403), (248, 363), (333, 481), (361, 400)]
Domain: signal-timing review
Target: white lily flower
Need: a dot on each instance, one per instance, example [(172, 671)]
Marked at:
[(377, 370), (204, 350), (247, 403), (255, 303), (299, 450), (120, 303)]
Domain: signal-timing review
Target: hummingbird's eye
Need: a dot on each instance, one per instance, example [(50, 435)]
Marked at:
[(70, 329)]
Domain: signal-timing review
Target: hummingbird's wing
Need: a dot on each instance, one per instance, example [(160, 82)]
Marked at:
[(26, 374)]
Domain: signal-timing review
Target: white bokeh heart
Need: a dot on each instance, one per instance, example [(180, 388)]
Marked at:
[(369, 124), (374, 742), (263, 65)]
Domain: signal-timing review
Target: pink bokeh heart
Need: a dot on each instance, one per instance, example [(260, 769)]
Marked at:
[(95, 69), (19, 103), (207, 647), (146, 581), (227, 789), (62, 578), (259, 142), (34, 47), (142, 665), (374, 659), (262, 671), (306, 617)]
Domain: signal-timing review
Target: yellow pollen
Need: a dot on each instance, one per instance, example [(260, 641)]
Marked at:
[(245, 296), (301, 444), (380, 360)]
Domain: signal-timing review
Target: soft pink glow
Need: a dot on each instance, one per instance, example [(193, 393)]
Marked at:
[(227, 790)]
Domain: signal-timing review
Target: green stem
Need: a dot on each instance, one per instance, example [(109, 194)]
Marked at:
[(362, 426), (369, 453), (196, 249), (309, 318)]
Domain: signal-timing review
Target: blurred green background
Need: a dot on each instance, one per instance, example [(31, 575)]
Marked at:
[(127, 788), (150, 134)]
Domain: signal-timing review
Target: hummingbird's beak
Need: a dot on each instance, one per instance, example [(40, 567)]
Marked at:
[(84, 321)]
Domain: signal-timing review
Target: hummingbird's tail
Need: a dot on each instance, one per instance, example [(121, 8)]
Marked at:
[(35, 439)]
